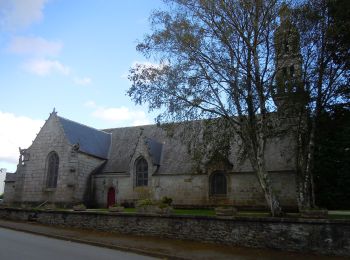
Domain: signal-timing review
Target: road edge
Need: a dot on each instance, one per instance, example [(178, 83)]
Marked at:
[(94, 243)]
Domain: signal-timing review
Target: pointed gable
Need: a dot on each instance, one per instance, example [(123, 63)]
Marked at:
[(91, 141), (169, 153)]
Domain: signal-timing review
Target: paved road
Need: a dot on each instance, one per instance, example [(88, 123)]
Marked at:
[(12, 246), (19, 245)]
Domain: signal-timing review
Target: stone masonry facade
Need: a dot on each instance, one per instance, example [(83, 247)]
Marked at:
[(74, 170), (90, 173)]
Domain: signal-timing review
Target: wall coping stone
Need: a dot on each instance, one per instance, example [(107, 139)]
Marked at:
[(320, 236), (221, 218)]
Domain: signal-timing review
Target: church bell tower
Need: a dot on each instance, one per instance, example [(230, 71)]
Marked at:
[(289, 92)]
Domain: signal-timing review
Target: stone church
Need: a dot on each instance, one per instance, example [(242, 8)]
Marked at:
[(70, 163)]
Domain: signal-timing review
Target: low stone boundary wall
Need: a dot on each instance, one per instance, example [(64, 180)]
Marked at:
[(331, 237)]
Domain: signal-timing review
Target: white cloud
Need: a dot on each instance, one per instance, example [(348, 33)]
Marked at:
[(35, 46), (83, 81), (16, 14), (16, 131), (119, 115), (19, 14), (40, 64), (43, 67)]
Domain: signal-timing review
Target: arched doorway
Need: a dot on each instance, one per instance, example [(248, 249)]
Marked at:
[(111, 197)]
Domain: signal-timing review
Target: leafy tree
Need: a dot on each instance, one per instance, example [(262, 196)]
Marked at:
[(332, 164), (326, 80), (338, 31), (1, 195), (215, 61)]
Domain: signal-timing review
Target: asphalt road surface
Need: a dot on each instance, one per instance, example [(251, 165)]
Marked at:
[(16, 245)]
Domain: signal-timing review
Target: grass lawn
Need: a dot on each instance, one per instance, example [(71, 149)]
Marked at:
[(195, 212), (332, 214), (339, 214)]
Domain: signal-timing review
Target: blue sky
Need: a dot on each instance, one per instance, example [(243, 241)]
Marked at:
[(71, 55)]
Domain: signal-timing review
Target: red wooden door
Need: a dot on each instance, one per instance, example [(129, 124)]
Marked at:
[(111, 197)]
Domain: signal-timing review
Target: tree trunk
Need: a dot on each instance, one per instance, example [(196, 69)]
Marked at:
[(265, 183), (304, 166), (257, 160), (308, 182)]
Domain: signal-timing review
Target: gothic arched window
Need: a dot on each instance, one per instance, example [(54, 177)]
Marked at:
[(218, 184), (141, 172), (52, 170)]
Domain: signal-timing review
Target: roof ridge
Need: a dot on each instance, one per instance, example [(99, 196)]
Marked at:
[(157, 125), (123, 127), (100, 130)]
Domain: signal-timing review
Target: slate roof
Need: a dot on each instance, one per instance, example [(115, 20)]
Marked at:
[(10, 177), (170, 153), (91, 141), (118, 146), (155, 150)]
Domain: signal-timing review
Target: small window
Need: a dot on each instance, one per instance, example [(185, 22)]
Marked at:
[(218, 184), (141, 172), (292, 71), (52, 170), (285, 75)]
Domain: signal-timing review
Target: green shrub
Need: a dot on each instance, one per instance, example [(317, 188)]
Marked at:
[(163, 205), (145, 202), (166, 200), (79, 207)]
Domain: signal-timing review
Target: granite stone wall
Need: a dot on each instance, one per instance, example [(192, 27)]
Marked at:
[(192, 189), (29, 185), (83, 187), (329, 237), (33, 171), (9, 191), (243, 189)]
